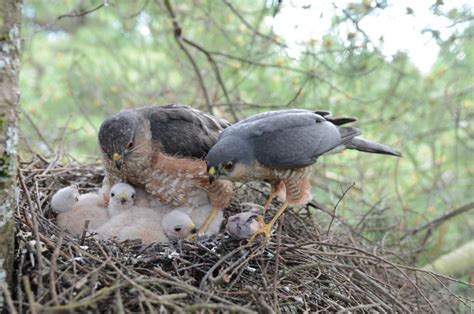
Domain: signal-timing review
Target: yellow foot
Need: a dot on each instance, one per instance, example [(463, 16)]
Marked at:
[(209, 220), (268, 202), (265, 230)]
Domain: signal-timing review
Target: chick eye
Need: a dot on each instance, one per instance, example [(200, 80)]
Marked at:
[(112, 194), (177, 229), (228, 166), (133, 195), (76, 199), (129, 145)]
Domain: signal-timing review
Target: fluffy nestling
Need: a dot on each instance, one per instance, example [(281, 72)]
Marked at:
[(178, 225), (74, 209), (245, 224)]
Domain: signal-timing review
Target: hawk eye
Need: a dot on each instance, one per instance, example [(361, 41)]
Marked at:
[(228, 166), (112, 194), (177, 229), (129, 145)]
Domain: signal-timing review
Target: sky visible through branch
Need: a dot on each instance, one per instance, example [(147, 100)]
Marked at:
[(300, 21)]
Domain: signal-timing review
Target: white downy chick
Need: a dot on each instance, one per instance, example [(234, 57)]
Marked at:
[(74, 209), (177, 225), (244, 225), (122, 198), (65, 199), (142, 198), (135, 223)]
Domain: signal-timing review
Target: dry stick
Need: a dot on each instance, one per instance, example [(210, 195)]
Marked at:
[(292, 100), (277, 262), (163, 299), (29, 293), (39, 253), (219, 262), (383, 290), (335, 207), (79, 14), (38, 132), (84, 231), (216, 306), (359, 307), (436, 222), (396, 266), (177, 35), (217, 73), (30, 224), (59, 152), (8, 298), (52, 270)]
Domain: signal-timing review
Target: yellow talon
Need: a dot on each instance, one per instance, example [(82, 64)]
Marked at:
[(266, 229)]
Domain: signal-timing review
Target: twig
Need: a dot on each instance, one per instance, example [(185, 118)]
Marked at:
[(335, 207), (52, 270), (84, 232), (79, 14), (177, 35), (8, 298), (436, 222)]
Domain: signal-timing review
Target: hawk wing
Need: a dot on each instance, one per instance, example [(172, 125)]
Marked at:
[(183, 131), (325, 114), (295, 139)]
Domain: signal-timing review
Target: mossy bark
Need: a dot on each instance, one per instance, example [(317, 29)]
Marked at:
[(10, 42)]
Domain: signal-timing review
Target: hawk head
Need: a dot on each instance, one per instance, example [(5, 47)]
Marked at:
[(118, 136), (231, 158)]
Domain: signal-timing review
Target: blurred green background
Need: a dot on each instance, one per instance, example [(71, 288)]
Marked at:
[(404, 69)]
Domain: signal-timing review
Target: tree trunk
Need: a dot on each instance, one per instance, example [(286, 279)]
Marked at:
[(10, 23)]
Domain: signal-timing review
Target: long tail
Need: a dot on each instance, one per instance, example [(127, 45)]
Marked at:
[(371, 147)]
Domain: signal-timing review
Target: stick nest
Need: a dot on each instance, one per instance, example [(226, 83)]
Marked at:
[(301, 268)]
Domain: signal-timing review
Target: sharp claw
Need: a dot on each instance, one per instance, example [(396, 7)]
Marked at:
[(265, 230)]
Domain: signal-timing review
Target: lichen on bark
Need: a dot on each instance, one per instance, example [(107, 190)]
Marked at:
[(10, 41)]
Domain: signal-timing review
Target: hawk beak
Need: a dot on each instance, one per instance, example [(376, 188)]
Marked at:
[(212, 179), (117, 158), (212, 174), (123, 198)]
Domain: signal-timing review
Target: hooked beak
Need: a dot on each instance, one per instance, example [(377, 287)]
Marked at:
[(117, 158), (212, 172)]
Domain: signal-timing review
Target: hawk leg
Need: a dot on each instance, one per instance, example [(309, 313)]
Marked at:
[(278, 190), (267, 228), (215, 210)]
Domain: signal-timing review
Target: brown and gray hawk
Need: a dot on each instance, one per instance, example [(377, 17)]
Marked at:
[(162, 149), (280, 147)]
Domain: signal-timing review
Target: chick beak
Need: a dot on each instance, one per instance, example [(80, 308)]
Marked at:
[(212, 174), (123, 201), (194, 229), (117, 158)]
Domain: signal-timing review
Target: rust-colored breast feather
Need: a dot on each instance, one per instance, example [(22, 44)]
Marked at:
[(174, 180)]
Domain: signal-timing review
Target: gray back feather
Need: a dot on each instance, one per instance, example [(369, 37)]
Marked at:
[(182, 130), (288, 140)]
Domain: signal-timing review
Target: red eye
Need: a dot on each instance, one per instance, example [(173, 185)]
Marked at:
[(129, 145)]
